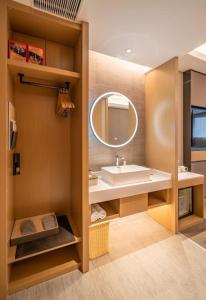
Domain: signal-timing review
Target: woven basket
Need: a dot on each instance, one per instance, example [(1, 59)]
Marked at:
[(98, 239)]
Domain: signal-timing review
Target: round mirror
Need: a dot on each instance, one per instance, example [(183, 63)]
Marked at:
[(113, 119)]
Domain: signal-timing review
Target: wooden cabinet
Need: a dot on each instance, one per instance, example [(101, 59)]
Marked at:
[(198, 204), (54, 150)]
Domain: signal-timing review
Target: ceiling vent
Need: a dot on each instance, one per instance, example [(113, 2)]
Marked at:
[(65, 8)]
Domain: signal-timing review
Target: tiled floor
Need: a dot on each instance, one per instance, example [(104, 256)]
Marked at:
[(149, 263)]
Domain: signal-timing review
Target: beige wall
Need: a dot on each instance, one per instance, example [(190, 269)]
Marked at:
[(111, 74)]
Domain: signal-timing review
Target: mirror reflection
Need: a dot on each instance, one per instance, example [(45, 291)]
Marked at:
[(114, 119)]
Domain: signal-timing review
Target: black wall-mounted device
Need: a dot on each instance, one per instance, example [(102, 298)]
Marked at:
[(16, 164)]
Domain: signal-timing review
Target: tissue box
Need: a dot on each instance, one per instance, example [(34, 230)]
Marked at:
[(93, 180)]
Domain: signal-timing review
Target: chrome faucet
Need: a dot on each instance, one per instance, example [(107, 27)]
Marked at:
[(119, 159)]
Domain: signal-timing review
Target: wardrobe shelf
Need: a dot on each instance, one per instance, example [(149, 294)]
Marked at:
[(189, 221), (111, 212), (43, 267), (155, 202), (77, 239), (42, 72), (42, 25)]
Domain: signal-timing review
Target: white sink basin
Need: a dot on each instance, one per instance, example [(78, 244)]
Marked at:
[(125, 174)]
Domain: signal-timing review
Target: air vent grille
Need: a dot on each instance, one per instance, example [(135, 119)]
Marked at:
[(64, 8)]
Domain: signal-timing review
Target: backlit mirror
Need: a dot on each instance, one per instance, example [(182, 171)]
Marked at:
[(113, 119)]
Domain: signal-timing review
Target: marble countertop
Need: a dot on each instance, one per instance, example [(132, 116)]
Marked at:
[(104, 191), (188, 175)]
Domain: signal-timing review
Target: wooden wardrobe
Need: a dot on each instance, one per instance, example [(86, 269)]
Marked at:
[(54, 150)]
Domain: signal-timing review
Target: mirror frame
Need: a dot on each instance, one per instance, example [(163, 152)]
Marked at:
[(92, 124)]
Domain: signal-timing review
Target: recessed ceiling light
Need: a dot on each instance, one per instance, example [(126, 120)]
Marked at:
[(128, 50)]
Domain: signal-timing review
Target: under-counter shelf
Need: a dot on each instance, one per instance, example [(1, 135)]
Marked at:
[(189, 221), (112, 210), (26, 273), (158, 198), (42, 72), (12, 250), (196, 181), (155, 202)]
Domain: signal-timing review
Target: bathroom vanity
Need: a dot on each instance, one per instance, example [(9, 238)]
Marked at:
[(104, 191), (125, 199)]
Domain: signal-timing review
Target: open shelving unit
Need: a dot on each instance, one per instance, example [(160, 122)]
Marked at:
[(54, 161), (42, 72), (43, 267), (198, 205), (111, 208), (158, 198), (189, 221), (12, 250), (155, 202)]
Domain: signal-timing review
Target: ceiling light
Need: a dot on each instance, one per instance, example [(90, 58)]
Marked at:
[(128, 50)]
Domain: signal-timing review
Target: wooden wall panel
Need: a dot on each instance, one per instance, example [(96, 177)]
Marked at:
[(79, 147), (198, 156), (180, 120), (187, 119), (111, 74), (198, 89), (199, 167), (44, 144), (3, 153), (194, 94), (161, 152)]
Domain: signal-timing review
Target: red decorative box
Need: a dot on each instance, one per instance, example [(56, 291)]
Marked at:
[(35, 55), (17, 50)]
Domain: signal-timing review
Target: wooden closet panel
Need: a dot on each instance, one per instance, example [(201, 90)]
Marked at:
[(44, 144), (3, 153), (162, 90), (79, 148)]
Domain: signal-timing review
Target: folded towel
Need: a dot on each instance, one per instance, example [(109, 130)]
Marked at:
[(97, 212)]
